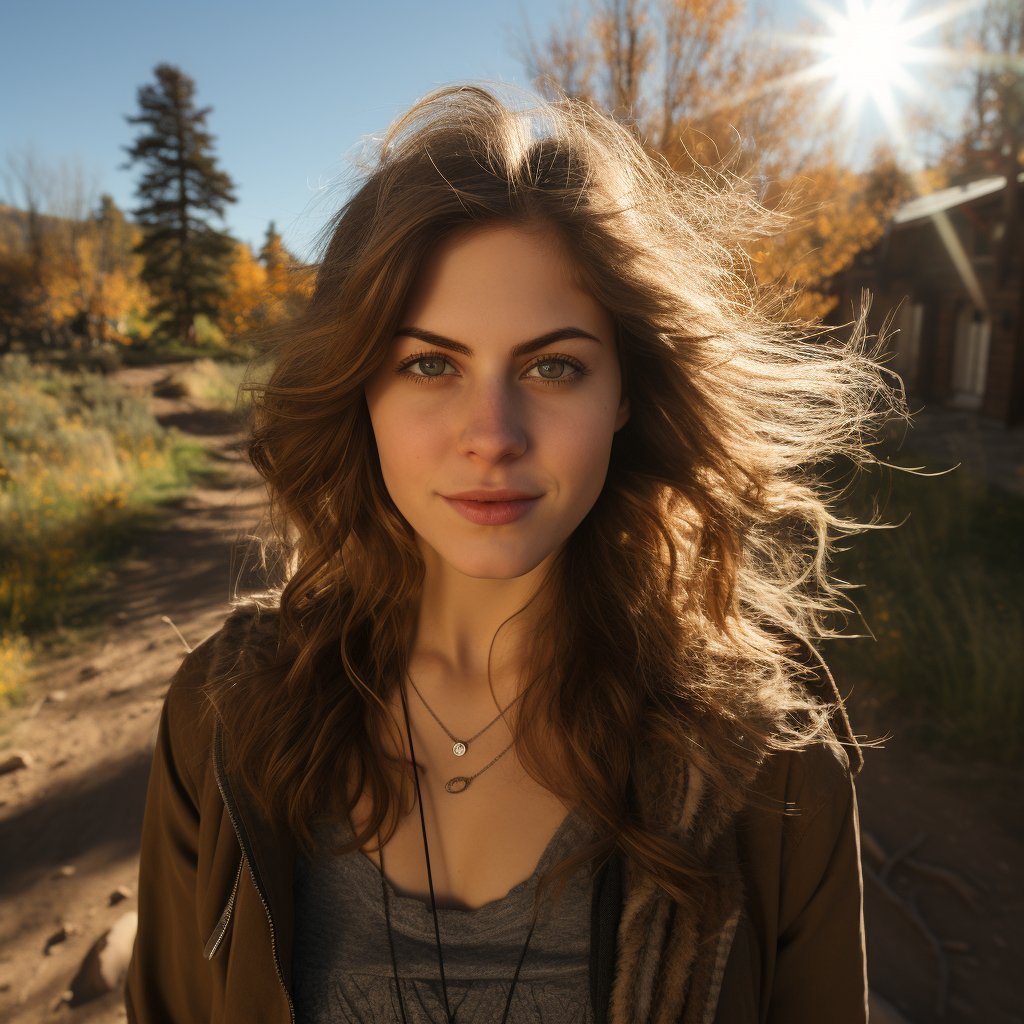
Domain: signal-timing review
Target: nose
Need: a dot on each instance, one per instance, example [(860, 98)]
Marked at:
[(493, 429)]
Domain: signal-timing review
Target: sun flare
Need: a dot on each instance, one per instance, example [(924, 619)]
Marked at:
[(868, 51)]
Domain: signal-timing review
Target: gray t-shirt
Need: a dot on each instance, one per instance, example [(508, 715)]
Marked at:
[(341, 964)]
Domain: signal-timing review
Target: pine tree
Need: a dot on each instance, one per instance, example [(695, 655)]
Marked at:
[(273, 254), (288, 280), (185, 257)]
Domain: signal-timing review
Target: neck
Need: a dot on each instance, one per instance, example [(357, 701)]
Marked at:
[(472, 634)]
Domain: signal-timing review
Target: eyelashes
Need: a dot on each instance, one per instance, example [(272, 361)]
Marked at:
[(578, 370), (423, 357)]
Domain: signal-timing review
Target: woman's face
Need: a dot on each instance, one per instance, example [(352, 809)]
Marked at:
[(495, 408)]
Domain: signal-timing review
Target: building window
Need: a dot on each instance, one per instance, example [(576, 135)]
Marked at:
[(970, 357), (905, 343)]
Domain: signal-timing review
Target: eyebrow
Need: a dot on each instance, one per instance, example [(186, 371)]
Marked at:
[(522, 349)]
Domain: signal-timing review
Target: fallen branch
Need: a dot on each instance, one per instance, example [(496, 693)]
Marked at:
[(922, 926), (935, 872), (957, 883), (894, 858)]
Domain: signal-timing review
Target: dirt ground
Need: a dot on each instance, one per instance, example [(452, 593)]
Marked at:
[(69, 824)]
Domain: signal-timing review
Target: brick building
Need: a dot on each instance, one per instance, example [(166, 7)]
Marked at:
[(948, 271)]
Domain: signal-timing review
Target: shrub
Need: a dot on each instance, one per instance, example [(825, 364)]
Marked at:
[(941, 594), (80, 461), (14, 670)]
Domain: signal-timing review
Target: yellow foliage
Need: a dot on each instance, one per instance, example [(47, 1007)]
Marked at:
[(79, 277), (703, 91), (265, 290), (76, 453), (14, 666), (246, 303), (835, 213)]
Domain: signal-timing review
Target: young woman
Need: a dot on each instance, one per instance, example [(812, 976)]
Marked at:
[(533, 731)]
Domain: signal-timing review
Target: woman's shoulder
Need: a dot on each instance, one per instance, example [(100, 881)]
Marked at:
[(811, 784), (802, 792), (249, 632), (816, 770)]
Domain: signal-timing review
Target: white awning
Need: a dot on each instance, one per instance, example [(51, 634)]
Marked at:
[(947, 198)]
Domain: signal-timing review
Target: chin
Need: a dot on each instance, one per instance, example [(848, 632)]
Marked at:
[(497, 563)]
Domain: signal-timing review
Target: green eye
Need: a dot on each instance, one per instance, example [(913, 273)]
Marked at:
[(431, 366), (552, 370)]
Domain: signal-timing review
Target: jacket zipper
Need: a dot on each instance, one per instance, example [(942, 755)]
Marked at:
[(229, 803), (213, 944)]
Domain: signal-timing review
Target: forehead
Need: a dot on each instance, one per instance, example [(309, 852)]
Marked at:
[(502, 281)]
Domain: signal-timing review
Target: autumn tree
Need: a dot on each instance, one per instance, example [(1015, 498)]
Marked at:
[(245, 302), (186, 258), (712, 97), (273, 254), (68, 274), (112, 284), (263, 289), (690, 74), (991, 139), (289, 281), (39, 243)]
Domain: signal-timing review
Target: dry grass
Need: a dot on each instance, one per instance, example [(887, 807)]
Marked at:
[(82, 464), (941, 596)]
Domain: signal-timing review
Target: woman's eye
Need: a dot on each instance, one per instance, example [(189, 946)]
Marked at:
[(552, 369), (428, 366)]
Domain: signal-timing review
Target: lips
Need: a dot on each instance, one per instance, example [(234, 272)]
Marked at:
[(492, 507)]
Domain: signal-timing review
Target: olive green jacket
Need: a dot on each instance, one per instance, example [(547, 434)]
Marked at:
[(779, 939)]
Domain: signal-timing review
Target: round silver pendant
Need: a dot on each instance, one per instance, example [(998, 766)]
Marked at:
[(459, 749), (456, 785)]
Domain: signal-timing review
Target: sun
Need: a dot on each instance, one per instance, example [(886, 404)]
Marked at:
[(868, 51)]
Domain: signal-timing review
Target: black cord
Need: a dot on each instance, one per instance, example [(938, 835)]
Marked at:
[(387, 921), (426, 854), (433, 903), (515, 977)]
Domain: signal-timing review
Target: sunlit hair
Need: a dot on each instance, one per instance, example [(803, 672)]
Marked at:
[(680, 597)]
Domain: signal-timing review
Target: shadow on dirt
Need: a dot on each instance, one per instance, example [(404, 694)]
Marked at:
[(203, 422), (61, 827)]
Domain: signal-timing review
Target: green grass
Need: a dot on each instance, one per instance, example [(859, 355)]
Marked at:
[(941, 594), (83, 466), (209, 343)]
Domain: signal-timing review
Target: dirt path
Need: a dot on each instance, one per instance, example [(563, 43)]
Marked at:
[(80, 805), (91, 729), (960, 818)]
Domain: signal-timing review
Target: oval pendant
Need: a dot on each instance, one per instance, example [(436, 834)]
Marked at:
[(456, 785), (459, 749)]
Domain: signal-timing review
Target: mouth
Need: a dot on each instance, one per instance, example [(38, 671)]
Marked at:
[(492, 507)]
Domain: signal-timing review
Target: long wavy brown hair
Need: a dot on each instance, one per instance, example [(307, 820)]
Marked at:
[(684, 592)]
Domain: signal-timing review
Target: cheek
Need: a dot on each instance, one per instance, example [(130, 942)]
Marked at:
[(409, 444), (577, 449)]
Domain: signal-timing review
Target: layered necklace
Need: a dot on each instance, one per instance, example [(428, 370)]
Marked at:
[(449, 1016), (460, 783)]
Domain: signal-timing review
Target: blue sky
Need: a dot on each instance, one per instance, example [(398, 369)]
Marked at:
[(294, 86)]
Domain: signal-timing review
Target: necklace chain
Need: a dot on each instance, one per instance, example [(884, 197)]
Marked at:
[(460, 783), (451, 735)]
